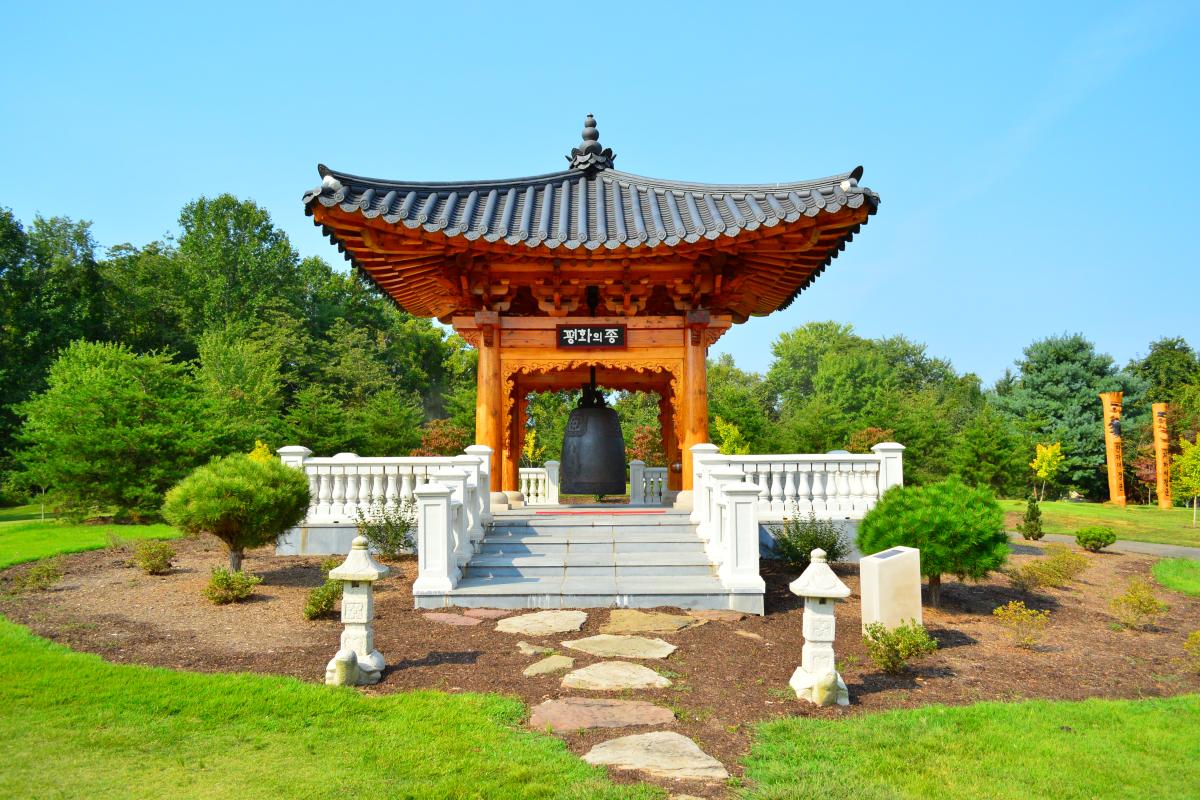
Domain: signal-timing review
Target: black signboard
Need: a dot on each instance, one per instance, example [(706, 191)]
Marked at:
[(571, 337)]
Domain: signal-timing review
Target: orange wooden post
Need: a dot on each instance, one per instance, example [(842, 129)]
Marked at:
[(1112, 446), (1162, 454), (488, 405), (695, 390)]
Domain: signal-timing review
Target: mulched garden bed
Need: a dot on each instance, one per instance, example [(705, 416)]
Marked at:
[(727, 675)]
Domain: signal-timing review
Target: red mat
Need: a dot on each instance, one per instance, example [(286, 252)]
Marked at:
[(569, 513)]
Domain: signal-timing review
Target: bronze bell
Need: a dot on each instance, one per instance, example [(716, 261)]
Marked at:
[(593, 452)]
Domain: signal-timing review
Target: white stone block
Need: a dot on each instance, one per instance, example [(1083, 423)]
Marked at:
[(890, 585)]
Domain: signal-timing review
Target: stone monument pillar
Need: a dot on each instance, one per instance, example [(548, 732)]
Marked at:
[(1112, 446), (357, 663), (1162, 454), (817, 679)]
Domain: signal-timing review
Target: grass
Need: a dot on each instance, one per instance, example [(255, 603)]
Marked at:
[(1134, 522), (131, 731), (1064, 750), (25, 537), (1178, 574)]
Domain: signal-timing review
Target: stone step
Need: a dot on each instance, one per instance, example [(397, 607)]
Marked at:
[(691, 591), (557, 546), (612, 564), (572, 531)]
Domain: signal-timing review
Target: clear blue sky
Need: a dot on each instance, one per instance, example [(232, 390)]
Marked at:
[(1037, 161)]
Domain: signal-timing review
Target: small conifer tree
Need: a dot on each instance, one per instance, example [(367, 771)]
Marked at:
[(1031, 524)]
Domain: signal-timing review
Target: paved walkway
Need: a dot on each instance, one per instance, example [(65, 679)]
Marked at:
[(1145, 548)]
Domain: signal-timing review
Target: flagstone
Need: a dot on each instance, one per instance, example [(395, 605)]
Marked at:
[(718, 614), (487, 613), (451, 619), (534, 650), (577, 713), (543, 623), (609, 646), (614, 675), (548, 665), (663, 754), (628, 620)]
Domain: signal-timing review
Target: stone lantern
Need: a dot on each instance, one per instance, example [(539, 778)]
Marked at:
[(817, 679), (357, 663)]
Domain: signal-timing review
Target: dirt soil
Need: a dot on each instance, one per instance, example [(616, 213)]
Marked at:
[(727, 675)]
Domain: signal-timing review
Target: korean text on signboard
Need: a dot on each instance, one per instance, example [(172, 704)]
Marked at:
[(573, 336)]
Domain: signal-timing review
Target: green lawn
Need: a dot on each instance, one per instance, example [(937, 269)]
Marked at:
[(1062, 750), (76, 726), (1178, 574), (25, 537), (1135, 522)]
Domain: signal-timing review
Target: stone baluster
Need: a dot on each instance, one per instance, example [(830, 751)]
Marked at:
[(789, 488), (818, 489), (843, 488), (777, 493), (871, 485), (406, 484), (804, 504), (437, 567), (350, 494), (637, 482), (325, 494), (858, 501), (391, 494), (337, 507), (378, 484), (831, 506), (552, 483)]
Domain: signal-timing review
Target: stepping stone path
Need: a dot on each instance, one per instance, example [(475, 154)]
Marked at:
[(549, 665), (614, 675), (487, 613), (543, 623), (534, 650), (608, 646), (451, 619), (625, 620), (577, 713), (663, 754)]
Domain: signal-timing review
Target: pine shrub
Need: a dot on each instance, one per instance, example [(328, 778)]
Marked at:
[(1031, 525), (153, 558), (1066, 564), (1137, 608), (1094, 538), (796, 538), (891, 650), (1026, 625), (230, 586)]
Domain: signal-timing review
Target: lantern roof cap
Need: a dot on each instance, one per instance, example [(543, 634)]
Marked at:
[(818, 580), (359, 564)]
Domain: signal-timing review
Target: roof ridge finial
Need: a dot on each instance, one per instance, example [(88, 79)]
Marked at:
[(589, 156)]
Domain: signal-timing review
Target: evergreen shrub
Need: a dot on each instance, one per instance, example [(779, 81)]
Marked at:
[(891, 650), (959, 529), (796, 538), (1027, 625), (390, 530), (1031, 525), (1094, 538), (230, 586), (153, 558), (1137, 608)]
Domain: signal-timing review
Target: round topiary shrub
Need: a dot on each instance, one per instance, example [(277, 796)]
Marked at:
[(243, 501), (1094, 538), (959, 529)]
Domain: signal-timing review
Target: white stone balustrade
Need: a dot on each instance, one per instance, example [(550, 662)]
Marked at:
[(829, 486), (647, 485), (437, 566), (539, 485)]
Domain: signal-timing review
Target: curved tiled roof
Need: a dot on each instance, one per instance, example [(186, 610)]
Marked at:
[(588, 208)]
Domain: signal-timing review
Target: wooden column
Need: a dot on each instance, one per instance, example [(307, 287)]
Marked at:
[(1162, 454), (695, 390), (489, 405), (1112, 444), (666, 422), (514, 440)]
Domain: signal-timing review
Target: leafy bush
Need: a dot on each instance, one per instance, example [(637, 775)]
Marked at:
[(891, 650), (39, 577), (1191, 651), (230, 586), (796, 538), (1026, 625), (1031, 524), (241, 501), (1066, 564), (113, 430), (153, 558), (391, 531), (1138, 607), (1094, 538), (958, 529), (322, 600)]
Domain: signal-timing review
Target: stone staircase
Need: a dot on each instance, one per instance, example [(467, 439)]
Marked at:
[(591, 559)]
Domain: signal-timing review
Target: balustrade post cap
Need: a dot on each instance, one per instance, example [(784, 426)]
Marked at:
[(432, 490), (743, 488), (887, 447), (449, 472), (294, 450), (637, 461), (359, 565), (727, 474), (477, 449), (704, 447), (552, 463), (471, 459)]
